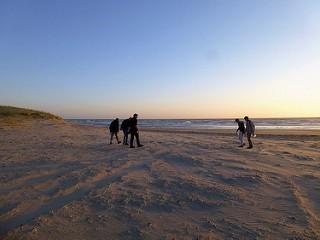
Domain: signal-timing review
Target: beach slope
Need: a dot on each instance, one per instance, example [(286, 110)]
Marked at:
[(63, 181)]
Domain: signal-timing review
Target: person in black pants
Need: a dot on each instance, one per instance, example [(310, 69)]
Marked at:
[(134, 131), (250, 130), (125, 128), (114, 129)]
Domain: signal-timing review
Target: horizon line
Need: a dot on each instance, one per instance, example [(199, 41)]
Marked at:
[(194, 118)]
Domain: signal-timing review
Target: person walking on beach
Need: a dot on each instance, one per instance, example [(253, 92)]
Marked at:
[(114, 129), (134, 131), (250, 129), (240, 131), (125, 128)]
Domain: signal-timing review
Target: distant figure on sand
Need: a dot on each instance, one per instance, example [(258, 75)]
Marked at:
[(250, 129), (125, 128), (240, 131), (114, 129), (134, 131)]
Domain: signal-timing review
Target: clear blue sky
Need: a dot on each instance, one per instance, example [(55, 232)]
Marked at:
[(162, 59)]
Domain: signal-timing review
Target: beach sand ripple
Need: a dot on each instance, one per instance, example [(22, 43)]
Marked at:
[(63, 181)]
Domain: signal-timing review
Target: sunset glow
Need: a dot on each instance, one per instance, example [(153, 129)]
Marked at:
[(162, 59)]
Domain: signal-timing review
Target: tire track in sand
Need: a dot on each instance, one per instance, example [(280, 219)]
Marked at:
[(58, 202), (306, 207)]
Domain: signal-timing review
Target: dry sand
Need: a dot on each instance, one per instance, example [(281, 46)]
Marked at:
[(63, 181)]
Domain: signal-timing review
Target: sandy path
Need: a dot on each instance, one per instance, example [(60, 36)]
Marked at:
[(63, 181)]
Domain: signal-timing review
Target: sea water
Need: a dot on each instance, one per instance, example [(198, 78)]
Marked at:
[(261, 123)]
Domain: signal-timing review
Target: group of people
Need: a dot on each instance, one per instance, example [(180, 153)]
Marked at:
[(245, 129), (128, 126)]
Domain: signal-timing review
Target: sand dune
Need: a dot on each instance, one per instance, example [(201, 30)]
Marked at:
[(62, 181)]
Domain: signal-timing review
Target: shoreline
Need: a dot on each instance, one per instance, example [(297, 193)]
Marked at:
[(263, 132), (284, 135), (214, 124), (259, 132)]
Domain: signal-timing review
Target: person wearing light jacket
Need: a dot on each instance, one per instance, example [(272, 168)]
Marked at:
[(240, 131)]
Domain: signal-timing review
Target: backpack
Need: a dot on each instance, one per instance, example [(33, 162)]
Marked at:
[(124, 124), (253, 126), (112, 125)]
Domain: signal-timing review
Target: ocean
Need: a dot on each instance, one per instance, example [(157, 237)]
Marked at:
[(261, 123)]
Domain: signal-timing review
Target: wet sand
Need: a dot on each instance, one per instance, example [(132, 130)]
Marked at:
[(63, 181)]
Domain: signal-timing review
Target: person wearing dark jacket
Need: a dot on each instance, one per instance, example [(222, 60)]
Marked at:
[(240, 131), (250, 129), (134, 131), (125, 128), (114, 129)]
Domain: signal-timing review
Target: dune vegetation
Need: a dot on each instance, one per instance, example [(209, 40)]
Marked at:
[(13, 115)]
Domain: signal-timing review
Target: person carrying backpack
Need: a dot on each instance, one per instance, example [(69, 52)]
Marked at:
[(250, 130), (114, 129), (125, 128)]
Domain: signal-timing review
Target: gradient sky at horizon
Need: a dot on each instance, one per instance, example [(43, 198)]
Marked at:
[(162, 59)]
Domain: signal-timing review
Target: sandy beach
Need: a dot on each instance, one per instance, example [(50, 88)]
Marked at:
[(63, 181)]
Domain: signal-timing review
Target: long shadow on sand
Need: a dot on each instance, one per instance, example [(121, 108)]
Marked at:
[(56, 203)]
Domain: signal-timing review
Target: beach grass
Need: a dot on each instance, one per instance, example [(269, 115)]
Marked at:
[(10, 115)]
